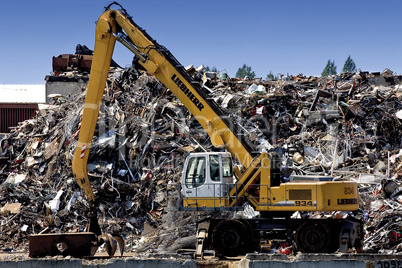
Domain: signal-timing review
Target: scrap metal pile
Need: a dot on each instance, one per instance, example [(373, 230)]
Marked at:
[(340, 126)]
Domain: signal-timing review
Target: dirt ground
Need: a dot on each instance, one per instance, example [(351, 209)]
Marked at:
[(103, 257)]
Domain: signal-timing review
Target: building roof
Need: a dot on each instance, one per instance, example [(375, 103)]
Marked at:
[(22, 93)]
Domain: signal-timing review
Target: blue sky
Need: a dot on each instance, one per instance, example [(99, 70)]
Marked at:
[(288, 37)]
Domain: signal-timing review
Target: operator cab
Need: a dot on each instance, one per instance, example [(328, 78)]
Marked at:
[(207, 174)]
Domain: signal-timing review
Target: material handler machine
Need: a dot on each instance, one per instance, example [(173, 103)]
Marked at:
[(208, 182)]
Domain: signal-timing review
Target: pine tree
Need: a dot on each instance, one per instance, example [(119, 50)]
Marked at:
[(207, 69), (272, 77), (245, 71), (330, 69), (349, 66)]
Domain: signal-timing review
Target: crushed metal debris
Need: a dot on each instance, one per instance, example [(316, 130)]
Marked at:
[(346, 127)]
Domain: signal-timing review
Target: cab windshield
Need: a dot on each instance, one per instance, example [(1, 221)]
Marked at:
[(195, 175)]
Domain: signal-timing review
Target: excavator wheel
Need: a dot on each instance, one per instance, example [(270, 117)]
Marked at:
[(231, 238), (315, 237)]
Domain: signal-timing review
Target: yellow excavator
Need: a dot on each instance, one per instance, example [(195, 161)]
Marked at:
[(210, 182)]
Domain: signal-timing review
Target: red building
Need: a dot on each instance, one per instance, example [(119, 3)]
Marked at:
[(19, 103)]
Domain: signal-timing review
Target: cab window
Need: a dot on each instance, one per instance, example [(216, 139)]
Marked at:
[(214, 167), (195, 174), (227, 169)]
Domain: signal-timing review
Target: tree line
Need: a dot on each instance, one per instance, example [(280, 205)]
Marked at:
[(329, 69)]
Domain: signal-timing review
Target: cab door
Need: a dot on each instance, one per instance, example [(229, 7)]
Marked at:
[(221, 174)]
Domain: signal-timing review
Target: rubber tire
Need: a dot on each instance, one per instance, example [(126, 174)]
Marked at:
[(315, 238), (231, 238)]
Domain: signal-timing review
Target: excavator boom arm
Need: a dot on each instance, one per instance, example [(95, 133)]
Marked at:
[(157, 60), (104, 46)]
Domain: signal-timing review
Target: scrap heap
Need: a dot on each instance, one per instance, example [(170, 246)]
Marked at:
[(343, 126)]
